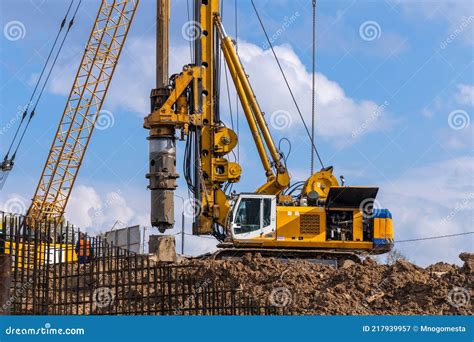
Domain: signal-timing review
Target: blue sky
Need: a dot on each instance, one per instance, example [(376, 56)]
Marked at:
[(395, 97)]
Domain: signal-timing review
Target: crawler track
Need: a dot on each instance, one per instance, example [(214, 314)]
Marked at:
[(318, 256)]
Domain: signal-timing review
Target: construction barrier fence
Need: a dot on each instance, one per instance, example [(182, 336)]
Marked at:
[(56, 269)]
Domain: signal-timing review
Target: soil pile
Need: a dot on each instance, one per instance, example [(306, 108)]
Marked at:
[(369, 288)]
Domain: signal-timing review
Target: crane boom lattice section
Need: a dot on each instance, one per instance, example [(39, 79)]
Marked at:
[(82, 109)]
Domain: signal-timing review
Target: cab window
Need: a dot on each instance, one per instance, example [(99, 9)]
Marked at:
[(267, 211), (248, 216)]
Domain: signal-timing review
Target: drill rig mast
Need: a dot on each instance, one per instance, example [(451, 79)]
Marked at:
[(188, 104)]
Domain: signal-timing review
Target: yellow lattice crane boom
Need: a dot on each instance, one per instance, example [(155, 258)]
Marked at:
[(82, 109)]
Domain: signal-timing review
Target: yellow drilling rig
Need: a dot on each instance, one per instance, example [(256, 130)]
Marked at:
[(324, 219)]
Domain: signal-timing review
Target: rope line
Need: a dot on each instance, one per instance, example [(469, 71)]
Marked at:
[(63, 22), (286, 81), (435, 237), (32, 113)]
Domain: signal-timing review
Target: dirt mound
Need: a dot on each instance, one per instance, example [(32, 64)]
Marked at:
[(302, 287)]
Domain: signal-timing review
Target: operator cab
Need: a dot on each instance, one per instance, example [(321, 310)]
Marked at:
[(253, 215)]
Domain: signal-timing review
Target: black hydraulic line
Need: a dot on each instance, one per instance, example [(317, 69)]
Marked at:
[(32, 113), (197, 135), (293, 187), (287, 84), (63, 22), (188, 162), (287, 155), (299, 188)]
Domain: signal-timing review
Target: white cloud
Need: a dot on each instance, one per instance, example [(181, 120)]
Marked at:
[(449, 103), (459, 94), (465, 95), (338, 116), (459, 139), (83, 200), (95, 213), (443, 183), (458, 14), (430, 201)]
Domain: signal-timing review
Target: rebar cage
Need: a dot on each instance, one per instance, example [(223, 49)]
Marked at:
[(56, 269)]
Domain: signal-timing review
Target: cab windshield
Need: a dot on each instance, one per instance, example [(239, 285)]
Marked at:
[(249, 216)]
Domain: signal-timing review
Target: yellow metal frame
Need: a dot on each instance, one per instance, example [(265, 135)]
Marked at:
[(276, 181), (82, 109), (179, 118)]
